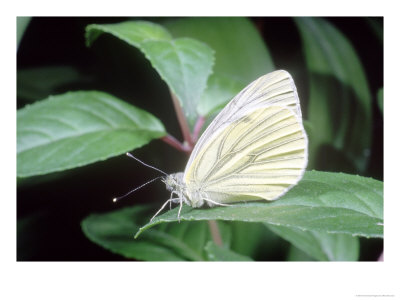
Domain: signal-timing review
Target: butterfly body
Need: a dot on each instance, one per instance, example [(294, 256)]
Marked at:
[(190, 195), (174, 183)]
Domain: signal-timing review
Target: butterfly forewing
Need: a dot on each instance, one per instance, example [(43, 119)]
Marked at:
[(275, 88), (256, 148)]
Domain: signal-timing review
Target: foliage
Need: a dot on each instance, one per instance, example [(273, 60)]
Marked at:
[(353, 206), (183, 63), (72, 129), (204, 62), (338, 86)]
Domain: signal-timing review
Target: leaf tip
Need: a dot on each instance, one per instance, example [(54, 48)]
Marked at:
[(137, 234)]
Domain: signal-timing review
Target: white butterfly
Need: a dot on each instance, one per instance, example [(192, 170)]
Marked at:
[(254, 149)]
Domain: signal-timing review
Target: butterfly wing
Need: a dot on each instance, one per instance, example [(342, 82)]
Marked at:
[(258, 150), (275, 88)]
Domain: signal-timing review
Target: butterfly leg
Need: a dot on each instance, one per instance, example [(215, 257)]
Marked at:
[(174, 200), (180, 208), (162, 207), (170, 202)]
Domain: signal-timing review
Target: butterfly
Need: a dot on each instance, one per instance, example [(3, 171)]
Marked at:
[(256, 148)]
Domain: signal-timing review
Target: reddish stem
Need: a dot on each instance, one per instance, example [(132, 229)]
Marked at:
[(216, 235), (197, 128), (170, 140), (182, 120)]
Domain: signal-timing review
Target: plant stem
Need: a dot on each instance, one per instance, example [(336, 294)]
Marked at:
[(170, 140), (197, 128), (182, 120), (216, 235)]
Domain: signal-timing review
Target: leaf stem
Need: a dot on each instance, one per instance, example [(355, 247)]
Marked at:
[(216, 235), (170, 140), (197, 128), (182, 120)]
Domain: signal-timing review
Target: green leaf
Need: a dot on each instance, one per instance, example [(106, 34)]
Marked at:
[(322, 201), (134, 33), (320, 245), (180, 241), (184, 64), (217, 253), (219, 91), (340, 100), (252, 239), (38, 83), (241, 55), (295, 254), (78, 128), (22, 24), (379, 97)]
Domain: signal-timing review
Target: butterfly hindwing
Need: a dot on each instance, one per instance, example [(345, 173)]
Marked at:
[(259, 156)]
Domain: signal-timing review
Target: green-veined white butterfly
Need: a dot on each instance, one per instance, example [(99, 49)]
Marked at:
[(254, 149)]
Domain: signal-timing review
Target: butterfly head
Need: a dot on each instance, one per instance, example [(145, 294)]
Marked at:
[(174, 182), (189, 194)]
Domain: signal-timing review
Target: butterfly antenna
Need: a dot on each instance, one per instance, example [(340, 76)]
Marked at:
[(135, 189), (131, 156)]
